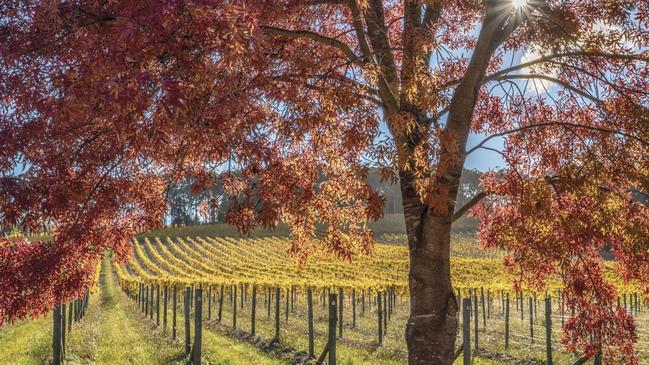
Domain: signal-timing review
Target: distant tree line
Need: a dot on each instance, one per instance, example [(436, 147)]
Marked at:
[(210, 206)]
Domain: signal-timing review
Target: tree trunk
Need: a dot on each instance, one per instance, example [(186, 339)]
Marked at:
[(431, 328)]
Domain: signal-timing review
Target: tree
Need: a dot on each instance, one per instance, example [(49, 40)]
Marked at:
[(106, 103), (189, 207)]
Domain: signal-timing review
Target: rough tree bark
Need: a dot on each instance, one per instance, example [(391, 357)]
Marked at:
[(431, 328)]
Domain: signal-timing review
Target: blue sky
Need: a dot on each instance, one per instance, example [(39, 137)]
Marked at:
[(482, 159)]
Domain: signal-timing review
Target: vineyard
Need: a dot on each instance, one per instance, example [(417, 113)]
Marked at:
[(263, 262), (250, 290)]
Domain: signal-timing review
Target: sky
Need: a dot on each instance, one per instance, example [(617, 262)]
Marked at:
[(484, 160)]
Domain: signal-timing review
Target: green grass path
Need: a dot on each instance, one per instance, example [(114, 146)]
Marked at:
[(110, 333)]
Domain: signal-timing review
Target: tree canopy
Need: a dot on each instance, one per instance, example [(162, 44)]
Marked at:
[(106, 103)]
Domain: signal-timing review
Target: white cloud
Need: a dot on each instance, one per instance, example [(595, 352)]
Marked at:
[(538, 85)]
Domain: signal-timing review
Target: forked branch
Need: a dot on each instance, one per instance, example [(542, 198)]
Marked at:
[(470, 204), (329, 41)]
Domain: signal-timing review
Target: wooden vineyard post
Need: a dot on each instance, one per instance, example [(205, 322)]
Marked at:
[(489, 299), (385, 312), (70, 305), (309, 319), (187, 329), (234, 308), (165, 296), (151, 292), (332, 329), (157, 305), (548, 330), (221, 303), (516, 293), (209, 303), (277, 294), (484, 312), (354, 308), (531, 318), (341, 300), (288, 294), (363, 303), (562, 303), (380, 315), (143, 300), (388, 303), (476, 321), (507, 321), (175, 309), (466, 330), (146, 304), (268, 302), (243, 292), (253, 309), (63, 331), (57, 333), (198, 325)]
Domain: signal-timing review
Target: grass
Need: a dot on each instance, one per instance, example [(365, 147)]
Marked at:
[(110, 334), (115, 332), (358, 345), (27, 342)]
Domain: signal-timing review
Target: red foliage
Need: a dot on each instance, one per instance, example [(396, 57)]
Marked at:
[(105, 103)]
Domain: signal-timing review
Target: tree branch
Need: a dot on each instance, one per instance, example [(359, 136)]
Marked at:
[(470, 204), (360, 30), (633, 57), (431, 17), (554, 80), (563, 124), (380, 41), (329, 41)]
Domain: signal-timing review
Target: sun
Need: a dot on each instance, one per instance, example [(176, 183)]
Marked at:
[(519, 3)]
